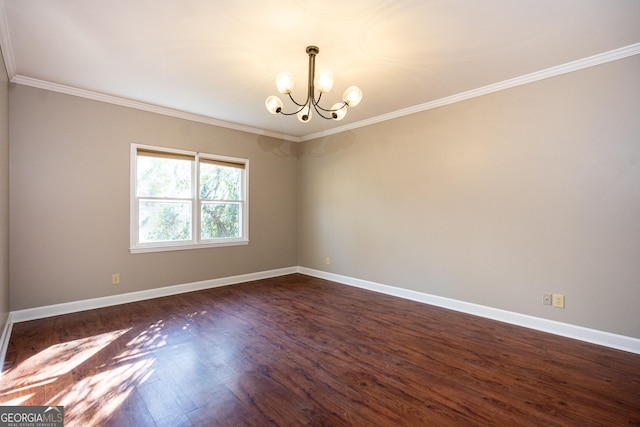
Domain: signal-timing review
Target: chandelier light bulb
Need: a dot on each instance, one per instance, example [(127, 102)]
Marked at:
[(284, 82), (304, 115), (352, 96), (340, 111), (273, 104), (324, 80)]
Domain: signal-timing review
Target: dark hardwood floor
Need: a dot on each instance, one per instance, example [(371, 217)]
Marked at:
[(298, 351)]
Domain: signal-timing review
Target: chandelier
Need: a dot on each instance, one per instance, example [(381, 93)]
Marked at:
[(322, 82)]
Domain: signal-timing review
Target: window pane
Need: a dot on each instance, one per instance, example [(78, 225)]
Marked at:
[(163, 177), (164, 221), (220, 220), (220, 182)]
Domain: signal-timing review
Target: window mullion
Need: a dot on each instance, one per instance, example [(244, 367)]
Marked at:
[(195, 194)]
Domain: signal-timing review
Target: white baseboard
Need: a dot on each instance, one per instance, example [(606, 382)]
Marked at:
[(4, 341), (607, 339), (593, 336), (90, 304)]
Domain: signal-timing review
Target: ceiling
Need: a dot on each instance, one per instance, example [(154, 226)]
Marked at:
[(218, 60)]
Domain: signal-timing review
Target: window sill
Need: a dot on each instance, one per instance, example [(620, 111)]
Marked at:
[(187, 246)]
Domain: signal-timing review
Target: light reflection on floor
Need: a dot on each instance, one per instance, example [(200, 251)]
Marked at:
[(90, 392), (59, 359)]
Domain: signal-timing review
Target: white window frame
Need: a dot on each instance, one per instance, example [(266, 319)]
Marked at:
[(195, 242)]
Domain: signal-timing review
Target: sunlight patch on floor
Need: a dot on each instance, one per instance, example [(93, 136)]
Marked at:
[(93, 400), (89, 385), (59, 359), (17, 401)]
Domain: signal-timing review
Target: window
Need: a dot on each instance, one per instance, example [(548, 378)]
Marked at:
[(184, 200)]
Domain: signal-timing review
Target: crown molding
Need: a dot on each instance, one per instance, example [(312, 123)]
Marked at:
[(591, 61), (125, 102), (5, 44), (569, 67)]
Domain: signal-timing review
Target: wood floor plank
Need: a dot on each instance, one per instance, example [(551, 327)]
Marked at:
[(301, 351)]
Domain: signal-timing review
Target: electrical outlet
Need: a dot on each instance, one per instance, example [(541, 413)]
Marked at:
[(115, 279), (558, 300), (546, 299), (328, 260)]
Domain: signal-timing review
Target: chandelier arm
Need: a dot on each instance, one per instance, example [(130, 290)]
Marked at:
[(316, 103), (294, 101), (318, 108), (295, 112)]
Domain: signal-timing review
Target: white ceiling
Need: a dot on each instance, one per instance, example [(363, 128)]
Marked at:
[(218, 60)]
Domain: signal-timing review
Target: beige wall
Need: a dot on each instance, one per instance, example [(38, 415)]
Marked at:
[(4, 194), (492, 201), (69, 200)]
